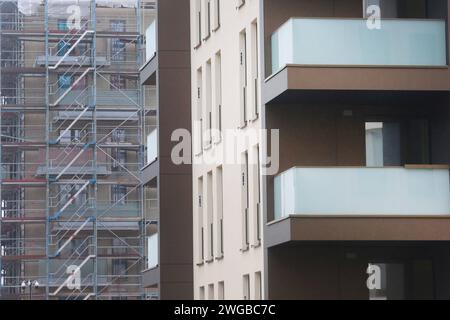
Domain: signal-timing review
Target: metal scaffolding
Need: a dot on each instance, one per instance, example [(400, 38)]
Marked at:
[(73, 113)]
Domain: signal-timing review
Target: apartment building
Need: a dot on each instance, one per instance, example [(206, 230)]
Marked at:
[(362, 108), (73, 116), (228, 247), (167, 69)]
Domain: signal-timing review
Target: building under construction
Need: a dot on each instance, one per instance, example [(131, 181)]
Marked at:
[(75, 215)]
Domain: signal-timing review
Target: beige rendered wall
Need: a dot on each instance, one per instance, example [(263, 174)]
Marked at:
[(235, 263)]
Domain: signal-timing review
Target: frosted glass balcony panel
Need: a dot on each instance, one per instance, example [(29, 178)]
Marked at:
[(152, 146), (153, 251), (399, 42), (362, 191), (150, 41)]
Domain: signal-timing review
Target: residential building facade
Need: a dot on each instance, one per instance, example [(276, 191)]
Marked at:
[(228, 247), (359, 91)]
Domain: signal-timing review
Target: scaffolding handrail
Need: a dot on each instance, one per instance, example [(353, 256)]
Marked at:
[(81, 227), (71, 35), (54, 67), (76, 253)]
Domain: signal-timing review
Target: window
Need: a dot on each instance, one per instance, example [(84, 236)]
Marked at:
[(118, 82), (410, 279), (245, 201), (254, 71), (209, 220), (64, 81), (119, 194), (119, 267), (69, 191), (211, 291), (65, 137), (208, 81), (198, 23), (219, 212), (202, 293), (117, 44), (383, 145), (216, 20), (200, 230), (118, 136), (62, 46), (221, 291), (79, 245), (397, 142), (246, 287), (80, 83), (258, 286), (119, 160), (119, 246), (62, 25), (218, 98), (256, 197), (207, 23), (198, 125), (243, 78), (72, 136), (389, 281)]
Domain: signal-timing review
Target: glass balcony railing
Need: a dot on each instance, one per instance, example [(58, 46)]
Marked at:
[(152, 251), (362, 191), (399, 42), (152, 146), (150, 41)]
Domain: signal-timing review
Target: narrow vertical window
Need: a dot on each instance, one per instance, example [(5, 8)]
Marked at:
[(258, 286), (245, 201), (202, 293), (254, 71), (208, 17), (216, 9), (243, 78), (200, 229), (209, 220), (198, 125), (208, 84), (257, 197), (219, 212), (117, 44), (221, 291), (211, 291), (218, 98), (246, 287), (198, 23)]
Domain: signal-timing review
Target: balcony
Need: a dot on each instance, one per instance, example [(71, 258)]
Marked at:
[(361, 204), (362, 191), (351, 42), (151, 276), (344, 54)]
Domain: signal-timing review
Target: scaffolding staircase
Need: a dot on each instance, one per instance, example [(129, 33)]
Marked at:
[(71, 167)]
